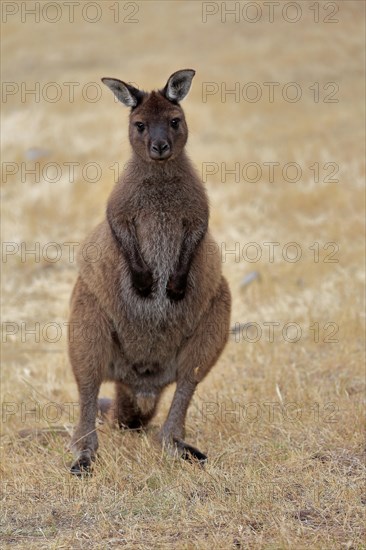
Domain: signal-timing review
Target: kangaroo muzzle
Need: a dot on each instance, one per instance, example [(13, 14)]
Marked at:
[(160, 149)]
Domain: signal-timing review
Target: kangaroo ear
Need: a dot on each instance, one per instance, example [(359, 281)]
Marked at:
[(127, 94), (178, 85)]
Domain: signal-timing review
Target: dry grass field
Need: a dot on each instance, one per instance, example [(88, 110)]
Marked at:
[(281, 414)]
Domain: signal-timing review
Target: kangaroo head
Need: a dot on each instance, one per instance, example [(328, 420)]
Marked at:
[(158, 129)]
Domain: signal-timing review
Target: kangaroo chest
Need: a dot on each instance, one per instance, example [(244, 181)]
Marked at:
[(160, 230)]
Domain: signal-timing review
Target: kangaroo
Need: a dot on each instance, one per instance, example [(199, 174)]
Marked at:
[(152, 308)]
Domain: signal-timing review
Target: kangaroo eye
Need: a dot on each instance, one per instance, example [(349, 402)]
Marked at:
[(140, 126), (174, 123)]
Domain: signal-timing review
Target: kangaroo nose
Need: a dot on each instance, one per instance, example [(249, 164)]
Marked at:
[(160, 149), (164, 146)]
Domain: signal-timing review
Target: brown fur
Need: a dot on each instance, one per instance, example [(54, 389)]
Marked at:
[(154, 302)]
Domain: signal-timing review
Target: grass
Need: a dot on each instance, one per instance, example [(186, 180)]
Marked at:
[(281, 421)]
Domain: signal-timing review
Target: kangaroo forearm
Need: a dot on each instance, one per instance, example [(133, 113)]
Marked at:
[(124, 232), (190, 244), (177, 283)]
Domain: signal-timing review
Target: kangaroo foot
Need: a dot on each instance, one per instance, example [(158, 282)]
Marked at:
[(82, 465), (177, 446), (84, 448), (189, 453)]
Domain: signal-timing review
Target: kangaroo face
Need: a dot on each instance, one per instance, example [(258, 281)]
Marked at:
[(158, 130)]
